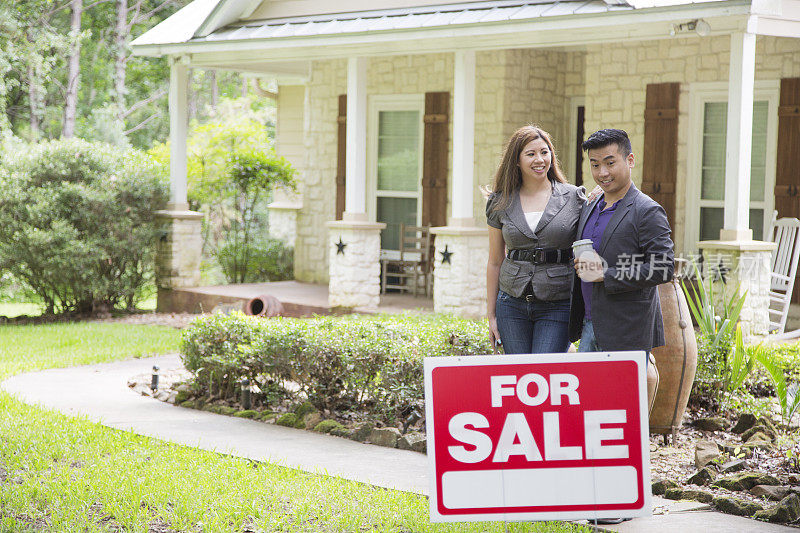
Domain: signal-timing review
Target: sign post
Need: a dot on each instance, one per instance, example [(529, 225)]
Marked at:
[(538, 437)]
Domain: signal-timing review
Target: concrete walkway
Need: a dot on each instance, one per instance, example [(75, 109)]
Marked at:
[(100, 393)]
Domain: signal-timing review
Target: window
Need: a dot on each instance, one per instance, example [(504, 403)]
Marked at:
[(395, 163), (706, 187)]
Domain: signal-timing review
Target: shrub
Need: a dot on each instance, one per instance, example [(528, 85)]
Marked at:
[(373, 364), (271, 260), (77, 222)]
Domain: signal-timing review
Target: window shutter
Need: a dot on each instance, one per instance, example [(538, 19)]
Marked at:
[(660, 158), (341, 154), (434, 159), (787, 169)]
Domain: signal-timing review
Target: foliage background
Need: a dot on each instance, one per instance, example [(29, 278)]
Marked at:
[(35, 40)]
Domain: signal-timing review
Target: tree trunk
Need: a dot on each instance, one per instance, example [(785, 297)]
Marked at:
[(33, 101), (120, 53), (73, 69)]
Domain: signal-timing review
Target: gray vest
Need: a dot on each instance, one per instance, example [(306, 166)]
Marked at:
[(556, 229)]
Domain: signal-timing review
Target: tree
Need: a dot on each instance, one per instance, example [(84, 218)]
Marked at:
[(30, 48), (73, 69), (253, 174)]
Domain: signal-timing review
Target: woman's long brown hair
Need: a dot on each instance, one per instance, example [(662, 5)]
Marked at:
[(508, 178)]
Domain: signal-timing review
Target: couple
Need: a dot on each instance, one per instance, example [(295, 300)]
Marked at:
[(535, 303)]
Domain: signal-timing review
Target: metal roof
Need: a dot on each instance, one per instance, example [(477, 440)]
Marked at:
[(407, 19)]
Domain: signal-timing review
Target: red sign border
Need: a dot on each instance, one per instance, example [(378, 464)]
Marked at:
[(637, 357)]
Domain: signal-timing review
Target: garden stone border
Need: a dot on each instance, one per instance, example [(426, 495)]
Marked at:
[(173, 390)]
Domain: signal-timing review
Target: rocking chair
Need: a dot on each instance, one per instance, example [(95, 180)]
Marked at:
[(414, 264)]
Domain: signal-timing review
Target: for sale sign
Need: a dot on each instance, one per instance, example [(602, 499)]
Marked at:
[(538, 437)]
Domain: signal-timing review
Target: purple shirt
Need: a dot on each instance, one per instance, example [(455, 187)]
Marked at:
[(594, 229)]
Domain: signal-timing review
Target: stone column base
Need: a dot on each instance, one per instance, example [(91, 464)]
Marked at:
[(459, 275), (178, 251), (354, 264), (744, 266)]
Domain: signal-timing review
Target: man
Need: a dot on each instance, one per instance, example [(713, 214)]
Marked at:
[(615, 303)]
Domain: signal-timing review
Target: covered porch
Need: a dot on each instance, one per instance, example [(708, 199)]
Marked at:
[(298, 299), (494, 66)]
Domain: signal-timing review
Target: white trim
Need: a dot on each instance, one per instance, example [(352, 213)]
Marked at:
[(699, 94), (391, 102), (630, 25), (224, 13)]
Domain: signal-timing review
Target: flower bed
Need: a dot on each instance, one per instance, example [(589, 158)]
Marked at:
[(369, 364)]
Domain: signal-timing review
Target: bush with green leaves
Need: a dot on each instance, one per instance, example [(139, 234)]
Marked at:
[(717, 316), (77, 222), (232, 169), (263, 260), (788, 393), (252, 175), (348, 363)]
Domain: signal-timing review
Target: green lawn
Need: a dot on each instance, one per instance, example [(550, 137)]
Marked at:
[(15, 309), (65, 474)]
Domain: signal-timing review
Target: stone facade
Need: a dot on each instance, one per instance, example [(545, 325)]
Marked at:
[(514, 87), (459, 286), (745, 267), (179, 249), (355, 272), (617, 75), (289, 143), (283, 222)]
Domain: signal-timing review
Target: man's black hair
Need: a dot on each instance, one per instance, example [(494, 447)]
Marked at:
[(603, 138)]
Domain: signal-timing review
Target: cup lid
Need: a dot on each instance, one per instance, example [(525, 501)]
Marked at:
[(582, 242)]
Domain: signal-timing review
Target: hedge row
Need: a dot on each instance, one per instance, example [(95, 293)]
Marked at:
[(364, 363)]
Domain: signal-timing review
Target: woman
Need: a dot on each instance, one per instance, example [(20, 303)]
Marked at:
[(533, 216)]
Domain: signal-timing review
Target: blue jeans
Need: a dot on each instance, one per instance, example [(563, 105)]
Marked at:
[(588, 341), (537, 326)]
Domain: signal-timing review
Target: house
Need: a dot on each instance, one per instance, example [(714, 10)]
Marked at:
[(397, 111)]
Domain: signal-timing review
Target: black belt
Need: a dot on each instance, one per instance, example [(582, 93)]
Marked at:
[(540, 256)]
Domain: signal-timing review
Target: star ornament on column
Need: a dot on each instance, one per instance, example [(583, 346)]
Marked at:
[(340, 246), (446, 255)]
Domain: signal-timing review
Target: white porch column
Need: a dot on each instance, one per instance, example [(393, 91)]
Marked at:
[(178, 252), (354, 243), (463, 139), (178, 126), (462, 249), (355, 205), (736, 263), (739, 138)]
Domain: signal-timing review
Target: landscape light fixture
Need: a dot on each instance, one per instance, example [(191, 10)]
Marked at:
[(154, 379), (245, 393), (699, 26)]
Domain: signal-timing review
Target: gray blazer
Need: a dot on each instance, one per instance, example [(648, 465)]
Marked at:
[(556, 229), (626, 312)]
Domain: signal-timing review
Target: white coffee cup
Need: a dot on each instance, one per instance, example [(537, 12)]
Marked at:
[(581, 247)]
